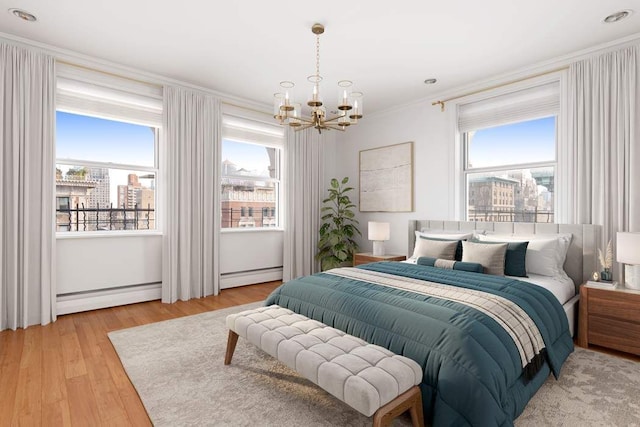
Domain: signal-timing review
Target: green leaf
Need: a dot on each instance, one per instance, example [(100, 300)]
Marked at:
[(345, 179), (334, 183)]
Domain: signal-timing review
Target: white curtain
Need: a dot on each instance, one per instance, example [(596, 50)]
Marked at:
[(190, 255), (27, 170), (604, 153), (304, 191)]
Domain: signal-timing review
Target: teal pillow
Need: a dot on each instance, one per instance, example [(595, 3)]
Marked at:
[(514, 260), (458, 254), (458, 265)]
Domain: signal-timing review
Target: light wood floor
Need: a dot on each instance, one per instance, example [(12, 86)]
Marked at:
[(67, 373)]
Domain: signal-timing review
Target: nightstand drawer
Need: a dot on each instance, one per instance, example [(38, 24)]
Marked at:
[(614, 333), (365, 258), (615, 305)]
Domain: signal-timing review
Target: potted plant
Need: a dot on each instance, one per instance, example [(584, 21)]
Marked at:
[(337, 245)]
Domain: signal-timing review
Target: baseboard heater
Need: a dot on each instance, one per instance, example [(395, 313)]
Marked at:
[(250, 277), (103, 298)]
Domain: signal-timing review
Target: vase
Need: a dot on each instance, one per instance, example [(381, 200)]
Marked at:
[(605, 275)]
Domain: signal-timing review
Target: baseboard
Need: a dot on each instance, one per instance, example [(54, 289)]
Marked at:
[(232, 280), (75, 303)]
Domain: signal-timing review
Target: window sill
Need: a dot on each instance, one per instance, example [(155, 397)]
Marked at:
[(250, 230), (104, 234)]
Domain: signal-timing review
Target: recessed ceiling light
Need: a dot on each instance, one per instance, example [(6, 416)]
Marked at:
[(430, 81), (24, 15), (618, 16)]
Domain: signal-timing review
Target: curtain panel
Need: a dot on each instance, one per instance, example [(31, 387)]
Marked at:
[(189, 159), (603, 156), (27, 170), (304, 191)]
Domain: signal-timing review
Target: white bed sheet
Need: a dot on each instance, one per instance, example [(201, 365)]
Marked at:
[(560, 286)]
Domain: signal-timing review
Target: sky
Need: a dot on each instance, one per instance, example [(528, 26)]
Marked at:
[(251, 157), (523, 142), (88, 138)]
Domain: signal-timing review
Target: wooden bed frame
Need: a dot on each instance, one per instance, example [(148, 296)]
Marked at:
[(581, 259)]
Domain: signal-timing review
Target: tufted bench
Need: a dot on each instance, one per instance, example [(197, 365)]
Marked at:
[(369, 378)]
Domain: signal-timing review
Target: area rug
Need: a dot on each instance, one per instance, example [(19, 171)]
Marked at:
[(177, 368)]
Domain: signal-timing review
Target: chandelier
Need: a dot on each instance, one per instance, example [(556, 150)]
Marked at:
[(288, 112)]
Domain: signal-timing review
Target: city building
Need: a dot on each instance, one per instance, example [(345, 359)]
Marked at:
[(73, 192), (246, 202), (492, 198), (136, 204)]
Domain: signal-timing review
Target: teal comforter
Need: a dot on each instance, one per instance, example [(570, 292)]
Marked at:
[(472, 370)]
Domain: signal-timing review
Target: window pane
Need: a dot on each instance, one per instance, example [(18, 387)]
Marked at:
[(92, 199), (81, 137), (512, 144), (249, 185), (249, 203), (522, 195), (243, 159)]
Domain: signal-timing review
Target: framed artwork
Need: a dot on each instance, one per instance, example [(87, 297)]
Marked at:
[(386, 179)]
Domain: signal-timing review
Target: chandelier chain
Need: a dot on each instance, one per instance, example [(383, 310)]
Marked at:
[(317, 55)]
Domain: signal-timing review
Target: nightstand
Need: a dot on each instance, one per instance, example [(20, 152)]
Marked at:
[(610, 318), (367, 257)]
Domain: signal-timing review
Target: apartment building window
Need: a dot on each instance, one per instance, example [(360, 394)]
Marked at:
[(250, 171), (107, 132), (509, 155)]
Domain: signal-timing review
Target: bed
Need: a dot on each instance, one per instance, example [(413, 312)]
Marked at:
[(477, 370)]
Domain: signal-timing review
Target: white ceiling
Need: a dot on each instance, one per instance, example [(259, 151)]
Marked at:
[(245, 48)]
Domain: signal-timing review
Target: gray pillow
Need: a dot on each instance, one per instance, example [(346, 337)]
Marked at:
[(490, 256), (435, 249)]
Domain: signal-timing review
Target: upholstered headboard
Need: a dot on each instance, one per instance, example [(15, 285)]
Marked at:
[(581, 256)]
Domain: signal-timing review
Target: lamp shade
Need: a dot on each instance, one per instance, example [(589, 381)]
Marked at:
[(628, 248), (379, 231)]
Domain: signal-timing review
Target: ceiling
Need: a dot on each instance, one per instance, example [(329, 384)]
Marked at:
[(245, 48)]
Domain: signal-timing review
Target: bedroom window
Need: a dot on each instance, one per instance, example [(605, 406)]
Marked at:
[(105, 174), (250, 172), (107, 133), (509, 155)]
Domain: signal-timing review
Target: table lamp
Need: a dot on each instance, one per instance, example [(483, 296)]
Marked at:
[(378, 232), (628, 253)]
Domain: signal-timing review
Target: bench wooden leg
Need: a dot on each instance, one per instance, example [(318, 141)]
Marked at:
[(231, 346), (411, 400)]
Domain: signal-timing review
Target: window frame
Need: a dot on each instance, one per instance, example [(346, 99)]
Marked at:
[(119, 166), (467, 171), (461, 171), (277, 181)]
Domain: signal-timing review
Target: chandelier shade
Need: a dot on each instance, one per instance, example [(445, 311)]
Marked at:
[(349, 106)]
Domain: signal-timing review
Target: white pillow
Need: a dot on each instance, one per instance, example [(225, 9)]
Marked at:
[(435, 249), (546, 253), (444, 234), (490, 256)]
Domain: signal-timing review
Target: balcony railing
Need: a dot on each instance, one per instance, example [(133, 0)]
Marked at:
[(511, 215), (97, 219), (234, 218)]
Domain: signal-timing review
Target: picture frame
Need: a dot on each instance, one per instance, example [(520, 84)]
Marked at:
[(386, 178)]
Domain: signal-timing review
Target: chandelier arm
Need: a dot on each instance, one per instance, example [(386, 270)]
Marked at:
[(334, 127), (332, 119), (306, 120), (304, 127)]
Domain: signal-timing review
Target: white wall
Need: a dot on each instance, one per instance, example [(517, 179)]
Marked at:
[(250, 256), (95, 263), (434, 160)]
